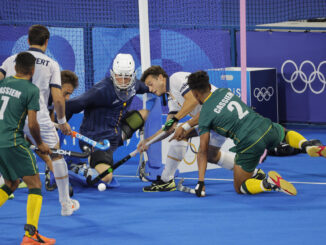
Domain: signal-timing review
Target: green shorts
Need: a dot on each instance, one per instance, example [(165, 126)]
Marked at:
[(248, 157), (17, 162)]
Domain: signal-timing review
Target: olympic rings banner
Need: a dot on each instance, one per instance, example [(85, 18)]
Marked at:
[(300, 59)]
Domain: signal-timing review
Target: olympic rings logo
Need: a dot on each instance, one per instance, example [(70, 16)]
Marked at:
[(263, 93), (306, 79)]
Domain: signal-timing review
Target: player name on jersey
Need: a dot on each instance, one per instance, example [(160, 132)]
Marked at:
[(223, 102), (10, 91)]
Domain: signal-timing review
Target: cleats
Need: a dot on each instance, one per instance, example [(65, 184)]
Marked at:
[(69, 207), (37, 239), (308, 143), (279, 184), (259, 175), (316, 151), (22, 185), (11, 196), (160, 185)]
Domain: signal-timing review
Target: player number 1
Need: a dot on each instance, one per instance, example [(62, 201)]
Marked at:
[(5, 100), (237, 106)]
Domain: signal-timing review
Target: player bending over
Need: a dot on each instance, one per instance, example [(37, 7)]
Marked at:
[(19, 98), (47, 79), (181, 103), (227, 115), (106, 114)]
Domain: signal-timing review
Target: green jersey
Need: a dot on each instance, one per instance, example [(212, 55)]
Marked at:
[(17, 96), (228, 116)]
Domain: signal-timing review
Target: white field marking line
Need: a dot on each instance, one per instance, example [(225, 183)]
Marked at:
[(214, 179)]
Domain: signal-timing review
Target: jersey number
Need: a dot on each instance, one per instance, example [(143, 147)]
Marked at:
[(5, 100), (237, 106)]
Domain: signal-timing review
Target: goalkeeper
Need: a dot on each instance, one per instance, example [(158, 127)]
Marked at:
[(106, 111)]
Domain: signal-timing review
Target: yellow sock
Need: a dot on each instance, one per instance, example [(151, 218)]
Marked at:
[(5, 192), (253, 186), (294, 139), (34, 205), (3, 197)]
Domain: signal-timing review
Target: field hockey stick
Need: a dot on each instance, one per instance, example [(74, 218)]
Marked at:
[(105, 146), (66, 152), (122, 161), (183, 188)]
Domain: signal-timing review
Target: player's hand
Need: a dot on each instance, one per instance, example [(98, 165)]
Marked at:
[(65, 128), (44, 148), (200, 189), (179, 134), (170, 124), (141, 147)]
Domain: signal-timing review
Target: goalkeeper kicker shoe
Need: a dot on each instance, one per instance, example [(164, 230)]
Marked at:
[(277, 183), (160, 185)]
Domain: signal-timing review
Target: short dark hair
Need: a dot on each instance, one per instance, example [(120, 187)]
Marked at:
[(38, 34), (25, 62), (69, 77), (154, 71), (199, 81)]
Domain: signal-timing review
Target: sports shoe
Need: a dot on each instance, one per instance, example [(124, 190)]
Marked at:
[(22, 185), (259, 175), (50, 183), (279, 184), (69, 207), (160, 185), (316, 151), (37, 239), (310, 143)]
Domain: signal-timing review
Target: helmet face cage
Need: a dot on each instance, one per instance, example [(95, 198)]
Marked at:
[(123, 76)]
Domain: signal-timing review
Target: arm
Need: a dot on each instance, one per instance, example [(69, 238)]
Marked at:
[(202, 164), (202, 155), (189, 104), (141, 88), (59, 106), (2, 76), (35, 132)]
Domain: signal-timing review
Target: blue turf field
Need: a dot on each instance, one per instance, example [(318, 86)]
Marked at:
[(126, 215)]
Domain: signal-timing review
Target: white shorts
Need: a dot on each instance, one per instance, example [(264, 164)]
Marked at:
[(49, 134), (220, 141)]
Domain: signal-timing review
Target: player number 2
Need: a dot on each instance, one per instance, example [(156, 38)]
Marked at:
[(237, 106), (5, 100)]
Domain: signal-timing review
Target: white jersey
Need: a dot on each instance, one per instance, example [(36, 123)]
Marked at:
[(177, 87), (46, 75)]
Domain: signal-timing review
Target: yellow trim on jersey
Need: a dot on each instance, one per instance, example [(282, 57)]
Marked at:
[(257, 140), (21, 117), (20, 78), (234, 136), (29, 156), (208, 97)]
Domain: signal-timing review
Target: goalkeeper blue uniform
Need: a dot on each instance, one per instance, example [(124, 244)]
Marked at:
[(103, 110)]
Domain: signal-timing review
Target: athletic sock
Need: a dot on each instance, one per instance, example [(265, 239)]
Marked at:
[(226, 160), (62, 179), (5, 192), (253, 186), (294, 139), (33, 210), (176, 153)]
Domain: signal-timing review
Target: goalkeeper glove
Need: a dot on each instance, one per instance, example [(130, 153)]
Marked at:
[(170, 123)]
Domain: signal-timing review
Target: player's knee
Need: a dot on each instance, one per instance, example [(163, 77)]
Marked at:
[(101, 157), (130, 123), (213, 154)]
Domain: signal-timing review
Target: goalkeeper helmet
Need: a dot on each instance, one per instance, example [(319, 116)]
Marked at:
[(123, 76)]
